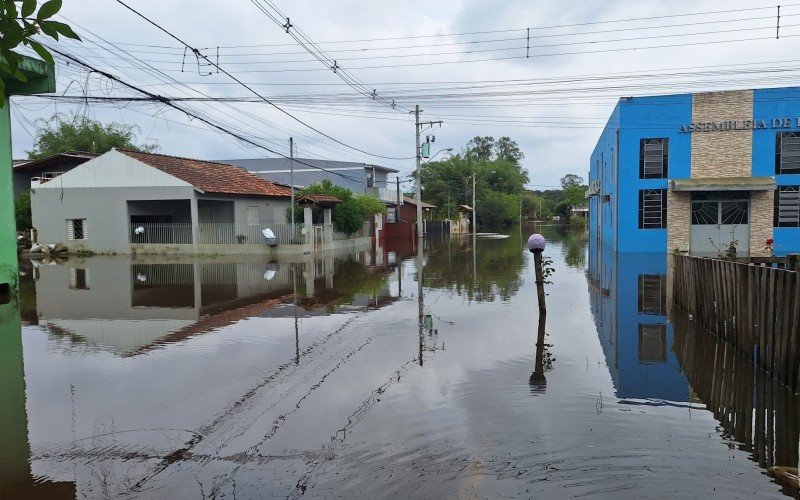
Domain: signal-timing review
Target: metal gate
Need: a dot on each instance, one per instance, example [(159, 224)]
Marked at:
[(719, 220)]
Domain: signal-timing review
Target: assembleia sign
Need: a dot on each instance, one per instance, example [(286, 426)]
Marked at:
[(740, 125)]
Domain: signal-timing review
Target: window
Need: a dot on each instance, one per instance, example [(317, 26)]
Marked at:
[(78, 278), (46, 176), (652, 294), (653, 158), (787, 206), (652, 209), (652, 344), (253, 215), (787, 153), (76, 229)]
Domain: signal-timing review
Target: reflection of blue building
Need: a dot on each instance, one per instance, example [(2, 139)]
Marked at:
[(698, 171), (629, 304)]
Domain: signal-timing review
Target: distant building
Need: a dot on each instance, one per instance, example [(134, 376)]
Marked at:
[(408, 210), (696, 172), (461, 224), (360, 178), (45, 169), (122, 200)]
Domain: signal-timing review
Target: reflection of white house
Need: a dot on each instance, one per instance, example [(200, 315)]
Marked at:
[(122, 199), (127, 307)]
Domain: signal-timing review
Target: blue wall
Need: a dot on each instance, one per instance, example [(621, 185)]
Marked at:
[(768, 104), (638, 118), (649, 118), (602, 168)]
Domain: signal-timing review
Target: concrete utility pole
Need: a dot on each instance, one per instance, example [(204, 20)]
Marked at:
[(417, 154), (398, 202), (474, 226), (291, 178)]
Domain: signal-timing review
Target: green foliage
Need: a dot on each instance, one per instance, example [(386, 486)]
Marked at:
[(22, 210), (18, 25), (570, 180), (79, 133), (500, 181), (348, 217), (575, 196), (370, 206)]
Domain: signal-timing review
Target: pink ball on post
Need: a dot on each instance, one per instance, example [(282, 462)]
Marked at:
[(536, 243)]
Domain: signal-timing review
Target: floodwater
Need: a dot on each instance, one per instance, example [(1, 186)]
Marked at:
[(342, 377)]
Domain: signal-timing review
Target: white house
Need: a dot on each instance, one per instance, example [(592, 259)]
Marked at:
[(125, 201)]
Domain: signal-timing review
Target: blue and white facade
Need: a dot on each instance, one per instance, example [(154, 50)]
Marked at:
[(700, 173)]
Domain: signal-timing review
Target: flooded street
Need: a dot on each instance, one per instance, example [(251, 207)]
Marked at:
[(158, 378)]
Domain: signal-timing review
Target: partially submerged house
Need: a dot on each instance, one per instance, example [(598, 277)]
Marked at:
[(127, 201)]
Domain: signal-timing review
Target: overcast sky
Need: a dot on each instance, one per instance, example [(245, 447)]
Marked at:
[(556, 127)]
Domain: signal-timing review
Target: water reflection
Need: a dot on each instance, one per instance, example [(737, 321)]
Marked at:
[(129, 307), (657, 356)]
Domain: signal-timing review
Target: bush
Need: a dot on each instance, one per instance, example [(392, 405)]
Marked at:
[(348, 217), (22, 209)]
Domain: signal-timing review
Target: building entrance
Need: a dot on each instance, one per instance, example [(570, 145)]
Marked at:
[(720, 219)]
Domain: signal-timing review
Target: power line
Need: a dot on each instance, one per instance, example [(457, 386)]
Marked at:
[(199, 54)]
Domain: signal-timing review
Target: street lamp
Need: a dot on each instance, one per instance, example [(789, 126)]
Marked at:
[(474, 208)]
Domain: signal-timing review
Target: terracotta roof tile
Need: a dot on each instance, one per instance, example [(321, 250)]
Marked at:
[(210, 176)]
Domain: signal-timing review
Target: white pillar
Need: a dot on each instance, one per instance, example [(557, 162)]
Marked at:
[(328, 220), (309, 225), (195, 219)]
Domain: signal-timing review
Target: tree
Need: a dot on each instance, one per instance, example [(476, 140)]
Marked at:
[(501, 178), (79, 133), (18, 25), (508, 150), (348, 217), (571, 180)]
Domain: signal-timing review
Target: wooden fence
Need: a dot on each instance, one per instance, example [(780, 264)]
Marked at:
[(752, 408), (753, 307)]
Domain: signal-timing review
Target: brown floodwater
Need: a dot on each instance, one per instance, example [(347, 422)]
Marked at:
[(343, 376)]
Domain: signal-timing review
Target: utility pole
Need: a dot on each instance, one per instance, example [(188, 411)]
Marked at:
[(474, 226), (291, 179), (418, 156), (398, 202)]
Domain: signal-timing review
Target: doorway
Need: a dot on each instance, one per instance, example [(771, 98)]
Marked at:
[(720, 219)]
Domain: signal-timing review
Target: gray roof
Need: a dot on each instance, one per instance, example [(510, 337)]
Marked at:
[(307, 171)]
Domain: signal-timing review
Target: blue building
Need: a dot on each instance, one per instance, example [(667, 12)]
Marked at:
[(700, 173)]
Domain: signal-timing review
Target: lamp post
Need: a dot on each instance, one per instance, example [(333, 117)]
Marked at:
[(536, 244), (474, 219)]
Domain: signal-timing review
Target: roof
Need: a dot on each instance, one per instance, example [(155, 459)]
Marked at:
[(724, 184), (209, 176), (279, 164), (412, 201), (320, 200), (464, 208), (75, 157)]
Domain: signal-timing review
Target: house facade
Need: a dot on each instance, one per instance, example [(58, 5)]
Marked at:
[(126, 201), (360, 178), (699, 173), (45, 169)]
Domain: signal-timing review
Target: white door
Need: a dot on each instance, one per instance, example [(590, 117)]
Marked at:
[(720, 220)]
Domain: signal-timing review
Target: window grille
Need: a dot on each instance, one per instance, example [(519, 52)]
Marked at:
[(653, 158), (652, 344), (787, 152), (652, 209), (652, 294), (76, 229), (253, 215), (787, 206)]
